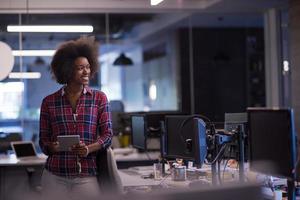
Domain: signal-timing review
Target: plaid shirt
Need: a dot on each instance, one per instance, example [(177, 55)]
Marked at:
[(92, 121)]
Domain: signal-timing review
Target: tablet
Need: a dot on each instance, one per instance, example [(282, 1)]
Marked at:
[(67, 141)]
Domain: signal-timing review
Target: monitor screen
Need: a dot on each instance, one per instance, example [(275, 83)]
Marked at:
[(272, 141), (150, 125), (139, 131), (153, 121), (187, 142)]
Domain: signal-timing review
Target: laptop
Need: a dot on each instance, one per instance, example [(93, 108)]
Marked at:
[(24, 150)]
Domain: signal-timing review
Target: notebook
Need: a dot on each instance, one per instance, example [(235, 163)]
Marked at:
[(24, 150)]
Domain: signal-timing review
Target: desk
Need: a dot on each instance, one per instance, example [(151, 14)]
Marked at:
[(126, 160), (19, 177), (132, 180), (24, 176), (193, 189)]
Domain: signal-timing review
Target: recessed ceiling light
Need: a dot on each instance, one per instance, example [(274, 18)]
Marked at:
[(24, 75), (155, 2), (33, 52), (51, 28)]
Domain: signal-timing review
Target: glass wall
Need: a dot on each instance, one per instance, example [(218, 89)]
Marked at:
[(181, 61)]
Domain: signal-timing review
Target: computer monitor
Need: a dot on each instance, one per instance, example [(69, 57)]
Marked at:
[(272, 141), (233, 123), (185, 138), (233, 120), (150, 133), (153, 123), (139, 131)]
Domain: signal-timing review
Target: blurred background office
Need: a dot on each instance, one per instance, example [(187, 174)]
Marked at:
[(189, 56)]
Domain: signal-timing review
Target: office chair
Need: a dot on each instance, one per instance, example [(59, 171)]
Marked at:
[(6, 139), (108, 176), (116, 106)]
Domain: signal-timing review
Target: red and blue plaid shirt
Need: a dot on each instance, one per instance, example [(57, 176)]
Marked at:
[(92, 122)]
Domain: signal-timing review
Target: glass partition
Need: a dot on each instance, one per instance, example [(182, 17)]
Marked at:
[(181, 61)]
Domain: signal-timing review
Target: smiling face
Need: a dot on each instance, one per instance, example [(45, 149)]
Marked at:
[(82, 71)]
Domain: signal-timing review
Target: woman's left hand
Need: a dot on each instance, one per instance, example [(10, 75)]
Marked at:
[(81, 149)]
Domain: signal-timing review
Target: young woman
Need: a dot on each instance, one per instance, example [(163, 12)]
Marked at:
[(75, 109)]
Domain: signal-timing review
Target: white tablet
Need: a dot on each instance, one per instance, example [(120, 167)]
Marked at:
[(67, 141)]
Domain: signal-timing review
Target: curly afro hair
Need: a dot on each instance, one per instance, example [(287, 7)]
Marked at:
[(62, 65)]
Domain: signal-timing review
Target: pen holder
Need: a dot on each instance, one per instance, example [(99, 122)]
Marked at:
[(178, 173), (157, 169)]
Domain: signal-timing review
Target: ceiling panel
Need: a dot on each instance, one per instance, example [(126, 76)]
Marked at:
[(96, 6)]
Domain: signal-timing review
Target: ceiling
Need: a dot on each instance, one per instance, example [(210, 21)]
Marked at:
[(96, 6), (135, 6), (119, 24), (123, 14), (126, 17)]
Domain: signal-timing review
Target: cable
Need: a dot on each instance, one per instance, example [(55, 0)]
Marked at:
[(147, 154), (218, 155), (219, 172), (163, 180), (225, 168), (183, 123)]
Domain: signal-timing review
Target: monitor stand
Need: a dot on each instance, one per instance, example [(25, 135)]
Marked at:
[(291, 189)]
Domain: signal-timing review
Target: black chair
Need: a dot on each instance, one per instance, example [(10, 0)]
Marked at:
[(108, 177), (116, 106), (6, 139)]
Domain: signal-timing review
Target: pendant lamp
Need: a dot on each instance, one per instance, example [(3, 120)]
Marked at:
[(123, 60)]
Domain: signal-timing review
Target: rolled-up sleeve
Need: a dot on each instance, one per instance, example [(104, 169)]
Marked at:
[(104, 124), (45, 128)]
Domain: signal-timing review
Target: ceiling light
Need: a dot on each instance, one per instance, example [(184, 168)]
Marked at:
[(25, 75), (33, 52), (51, 28), (286, 67), (155, 2), (123, 60), (152, 91)]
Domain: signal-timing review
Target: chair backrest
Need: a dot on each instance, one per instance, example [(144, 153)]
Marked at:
[(108, 176), (14, 137), (113, 170), (6, 139), (116, 106)]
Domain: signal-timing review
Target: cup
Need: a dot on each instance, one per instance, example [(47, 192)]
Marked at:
[(178, 173), (157, 169)]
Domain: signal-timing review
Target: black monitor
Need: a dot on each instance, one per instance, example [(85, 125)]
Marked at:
[(153, 120), (153, 123), (236, 122), (139, 131), (272, 141), (146, 129), (185, 138)]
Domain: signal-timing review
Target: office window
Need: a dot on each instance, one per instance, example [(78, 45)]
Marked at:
[(11, 95), (110, 77)]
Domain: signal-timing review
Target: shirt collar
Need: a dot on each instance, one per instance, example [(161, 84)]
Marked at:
[(86, 90)]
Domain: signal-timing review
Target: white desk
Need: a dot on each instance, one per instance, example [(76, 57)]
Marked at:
[(126, 158), (132, 180), (126, 155), (19, 177), (11, 160), (135, 156), (24, 176)]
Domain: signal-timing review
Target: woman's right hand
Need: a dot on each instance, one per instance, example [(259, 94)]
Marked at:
[(53, 147)]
